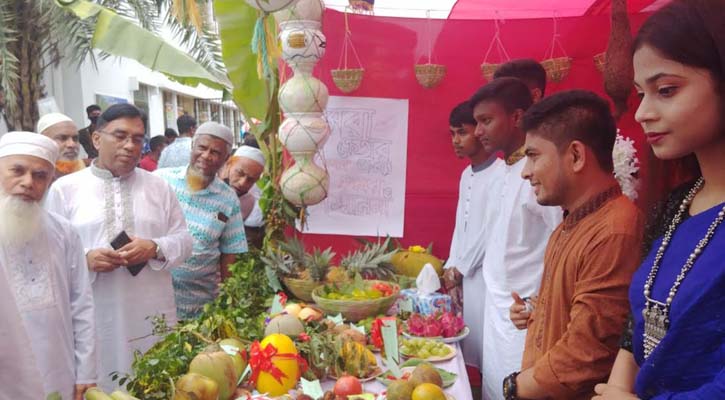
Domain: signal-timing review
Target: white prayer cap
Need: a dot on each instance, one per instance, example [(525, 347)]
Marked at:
[(28, 144), (216, 129), (48, 120), (252, 153)]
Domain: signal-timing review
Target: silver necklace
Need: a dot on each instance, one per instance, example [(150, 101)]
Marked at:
[(656, 313)]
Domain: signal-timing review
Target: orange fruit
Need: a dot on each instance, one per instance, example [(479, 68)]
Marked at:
[(428, 391)]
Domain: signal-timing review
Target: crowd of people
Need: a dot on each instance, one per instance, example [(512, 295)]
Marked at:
[(570, 291), (548, 257)]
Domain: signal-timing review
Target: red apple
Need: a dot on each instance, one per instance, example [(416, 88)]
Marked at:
[(347, 386)]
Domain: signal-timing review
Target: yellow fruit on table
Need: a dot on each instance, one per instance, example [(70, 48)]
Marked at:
[(266, 383), (428, 391), (410, 263), (196, 386), (293, 309), (218, 366)]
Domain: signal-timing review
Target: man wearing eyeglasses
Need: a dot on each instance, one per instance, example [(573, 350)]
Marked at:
[(133, 232)]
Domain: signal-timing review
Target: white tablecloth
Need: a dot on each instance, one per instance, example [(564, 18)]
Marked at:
[(461, 390)]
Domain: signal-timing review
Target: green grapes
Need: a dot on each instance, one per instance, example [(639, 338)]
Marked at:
[(424, 348)]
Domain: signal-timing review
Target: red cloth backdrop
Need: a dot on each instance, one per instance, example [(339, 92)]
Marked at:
[(390, 47)]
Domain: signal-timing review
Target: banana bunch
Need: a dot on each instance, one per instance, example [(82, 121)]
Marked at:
[(354, 359)]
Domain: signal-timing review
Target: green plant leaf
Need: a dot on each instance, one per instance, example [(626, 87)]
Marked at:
[(236, 21), (143, 46)]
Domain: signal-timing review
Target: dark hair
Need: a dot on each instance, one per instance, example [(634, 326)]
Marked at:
[(691, 32), (250, 140), (511, 93), (122, 110), (526, 69), (185, 123), (575, 115), (170, 132), (462, 114), (91, 108), (156, 142)]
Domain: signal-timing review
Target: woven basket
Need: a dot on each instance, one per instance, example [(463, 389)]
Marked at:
[(488, 70), (347, 80), (356, 310), (430, 75), (600, 61), (301, 288), (557, 68)]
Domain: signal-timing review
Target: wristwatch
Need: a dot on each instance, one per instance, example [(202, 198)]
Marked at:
[(159, 252), (509, 387)]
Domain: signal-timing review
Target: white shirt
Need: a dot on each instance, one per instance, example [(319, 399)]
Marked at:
[(468, 247), (255, 219), (49, 279), (469, 235), (514, 262), (101, 206)]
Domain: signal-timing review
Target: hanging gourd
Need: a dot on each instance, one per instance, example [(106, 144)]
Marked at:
[(303, 100)]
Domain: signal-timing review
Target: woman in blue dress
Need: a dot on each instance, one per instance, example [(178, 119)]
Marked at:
[(677, 346)]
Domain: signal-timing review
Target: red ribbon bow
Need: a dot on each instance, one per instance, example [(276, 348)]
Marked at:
[(261, 360)]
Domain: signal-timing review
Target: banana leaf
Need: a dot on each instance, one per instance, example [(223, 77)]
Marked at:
[(251, 93), (120, 36)]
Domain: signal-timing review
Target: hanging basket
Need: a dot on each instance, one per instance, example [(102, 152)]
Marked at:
[(430, 75), (557, 68), (488, 69), (347, 80), (600, 61)]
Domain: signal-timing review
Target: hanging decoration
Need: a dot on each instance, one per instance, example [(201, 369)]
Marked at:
[(557, 68), (489, 68), (429, 75), (618, 69), (303, 99), (270, 6), (347, 79), (362, 6)]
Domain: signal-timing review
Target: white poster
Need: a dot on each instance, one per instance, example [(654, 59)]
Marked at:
[(366, 159)]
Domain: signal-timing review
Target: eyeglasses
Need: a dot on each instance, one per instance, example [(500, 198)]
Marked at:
[(121, 138)]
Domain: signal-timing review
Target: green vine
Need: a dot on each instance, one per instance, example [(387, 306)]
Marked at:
[(238, 311)]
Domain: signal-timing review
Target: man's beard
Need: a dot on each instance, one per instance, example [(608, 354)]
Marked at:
[(196, 179), (66, 167), (21, 220)]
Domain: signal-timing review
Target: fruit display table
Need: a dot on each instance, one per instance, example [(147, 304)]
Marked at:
[(461, 390)]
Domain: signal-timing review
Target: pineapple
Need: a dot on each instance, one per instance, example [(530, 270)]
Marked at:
[(318, 263), (372, 261), (280, 262)]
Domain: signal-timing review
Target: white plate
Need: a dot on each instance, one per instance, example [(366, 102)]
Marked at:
[(450, 355), (464, 332)]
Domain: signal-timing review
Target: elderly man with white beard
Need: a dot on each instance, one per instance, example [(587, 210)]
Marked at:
[(64, 132), (43, 263)]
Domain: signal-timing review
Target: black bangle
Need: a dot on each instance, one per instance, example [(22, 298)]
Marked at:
[(509, 387)]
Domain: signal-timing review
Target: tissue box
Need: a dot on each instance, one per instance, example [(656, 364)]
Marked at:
[(406, 301), (426, 304)]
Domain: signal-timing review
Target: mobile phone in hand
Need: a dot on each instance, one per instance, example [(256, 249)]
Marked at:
[(118, 242)]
